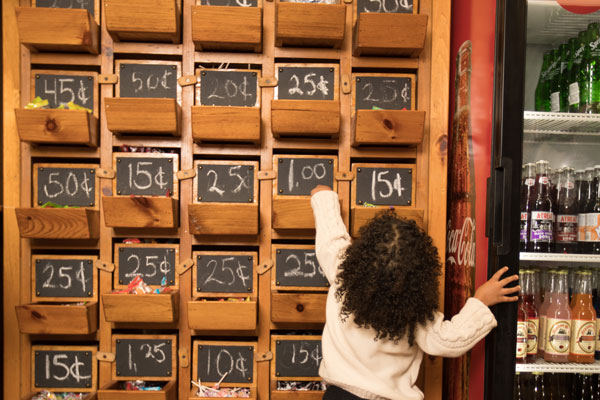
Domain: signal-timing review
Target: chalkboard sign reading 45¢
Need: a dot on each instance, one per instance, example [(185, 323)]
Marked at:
[(65, 185), (62, 87), (145, 174)]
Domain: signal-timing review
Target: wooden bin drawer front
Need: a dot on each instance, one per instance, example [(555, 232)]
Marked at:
[(114, 392), (223, 219), (385, 34), (386, 127), (54, 319), (58, 223), (227, 28), (299, 24), (142, 115), (140, 212), (226, 124), (222, 315), (140, 20), (123, 307), (305, 117), (57, 126), (298, 307)]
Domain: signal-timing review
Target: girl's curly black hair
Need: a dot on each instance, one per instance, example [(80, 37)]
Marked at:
[(388, 280)]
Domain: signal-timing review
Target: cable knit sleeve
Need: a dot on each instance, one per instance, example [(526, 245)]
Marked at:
[(455, 337), (332, 238)]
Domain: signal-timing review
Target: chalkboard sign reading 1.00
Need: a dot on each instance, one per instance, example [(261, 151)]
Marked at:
[(234, 362), (64, 278), (152, 264), (225, 183), (384, 186), (63, 367), (148, 80), (306, 83), (298, 176), (148, 357), (297, 357), (385, 6), (62, 89), (224, 273), (145, 176), (298, 267), (66, 185), (228, 88), (71, 4), (385, 92)]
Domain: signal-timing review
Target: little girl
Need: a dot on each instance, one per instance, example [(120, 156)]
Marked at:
[(381, 313)]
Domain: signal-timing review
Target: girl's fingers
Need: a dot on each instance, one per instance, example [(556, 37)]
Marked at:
[(509, 279), (511, 290), (499, 273), (510, 298)]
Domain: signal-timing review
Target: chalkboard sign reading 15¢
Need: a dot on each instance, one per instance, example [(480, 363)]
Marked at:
[(384, 184), (298, 175), (384, 91), (296, 268), (64, 278), (62, 87), (306, 81), (64, 368), (226, 182), (149, 79), (217, 274), (233, 362), (147, 357), (65, 185), (237, 88), (152, 262), (296, 356), (145, 174)]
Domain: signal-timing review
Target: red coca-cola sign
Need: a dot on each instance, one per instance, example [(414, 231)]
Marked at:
[(580, 6), (461, 244)]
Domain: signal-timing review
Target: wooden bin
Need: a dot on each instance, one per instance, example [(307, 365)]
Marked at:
[(386, 34), (57, 126), (253, 395), (212, 215), (205, 312), (59, 358), (58, 223), (57, 319), (113, 391), (58, 29), (225, 28), (294, 211), (309, 25), (359, 214), (88, 396), (142, 211), (140, 20), (124, 307)]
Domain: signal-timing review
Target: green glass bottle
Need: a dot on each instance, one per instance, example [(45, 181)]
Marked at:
[(586, 71), (574, 73), (594, 67), (555, 89), (572, 45), (539, 89), (547, 84)]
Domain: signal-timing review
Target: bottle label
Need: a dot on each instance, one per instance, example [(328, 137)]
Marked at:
[(592, 227), (595, 47), (598, 334), (523, 226), (543, 180), (573, 94), (558, 336), (542, 330), (541, 226), (583, 341), (566, 228), (529, 182), (521, 339), (581, 221), (532, 336), (555, 102), (570, 185)]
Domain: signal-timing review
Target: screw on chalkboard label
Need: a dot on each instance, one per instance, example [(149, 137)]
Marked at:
[(359, 170), (37, 293), (408, 202), (249, 289), (249, 258), (280, 69), (278, 251), (250, 200), (278, 283), (120, 281), (254, 74), (329, 161), (171, 282), (330, 69), (37, 76), (281, 161), (168, 373), (41, 168), (203, 73), (200, 347), (118, 340), (169, 160), (121, 249), (199, 198), (360, 202), (89, 293), (37, 261), (171, 250)]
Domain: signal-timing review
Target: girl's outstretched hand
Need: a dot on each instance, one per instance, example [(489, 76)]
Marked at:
[(495, 291), (319, 188)]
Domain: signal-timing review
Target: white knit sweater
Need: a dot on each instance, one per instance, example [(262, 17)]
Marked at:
[(381, 369)]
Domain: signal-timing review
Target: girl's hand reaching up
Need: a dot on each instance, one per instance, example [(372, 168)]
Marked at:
[(495, 291)]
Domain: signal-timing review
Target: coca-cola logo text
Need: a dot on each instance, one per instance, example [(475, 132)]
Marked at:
[(461, 244)]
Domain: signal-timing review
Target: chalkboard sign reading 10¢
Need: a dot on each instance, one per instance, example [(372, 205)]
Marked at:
[(231, 361), (387, 6), (237, 88), (62, 87), (64, 278), (64, 368), (306, 82), (228, 3), (65, 185), (296, 356), (226, 182), (145, 174), (385, 91), (152, 262), (384, 184), (298, 175), (149, 79), (296, 268), (223, 273), (148, 357)]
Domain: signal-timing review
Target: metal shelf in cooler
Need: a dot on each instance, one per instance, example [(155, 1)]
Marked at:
[(564, 127), (556, 259), (574, 368)]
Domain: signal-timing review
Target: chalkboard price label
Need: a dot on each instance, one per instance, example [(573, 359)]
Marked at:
[(228, 88), (149, 357), (297, 358), (224, 273), (298, 267), (230, 3), (298, 176), (72, 4), (385, 92), (152, 264), (306, 83), (66, 185), (233, 362), (62, 89), (64, 278), (145, 176), (63, 367), (385, 6), (148, 80), (384, 186), (225, 183)]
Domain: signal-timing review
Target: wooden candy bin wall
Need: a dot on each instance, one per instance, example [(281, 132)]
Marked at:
[(246, 147)]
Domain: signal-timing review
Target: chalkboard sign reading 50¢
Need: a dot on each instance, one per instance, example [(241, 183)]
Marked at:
[(149, 79), (65, 185), (145, 174)]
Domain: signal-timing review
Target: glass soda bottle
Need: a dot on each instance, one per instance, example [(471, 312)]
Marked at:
[(596, 302), (542, 100), (542, 311), (521, 352), (572, 45), (558, 322), (589, 70), (527, 200), (574, 73), (586, 194), (538, 391), (542, 218), (583, 321), (594, 67), (593, 217), (566, 218), (532, 314), (555, 88)]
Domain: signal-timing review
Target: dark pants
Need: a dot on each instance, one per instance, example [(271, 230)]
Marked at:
[(337, 393)]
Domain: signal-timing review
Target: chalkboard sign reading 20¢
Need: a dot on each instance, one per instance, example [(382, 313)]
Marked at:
[(228, 88)]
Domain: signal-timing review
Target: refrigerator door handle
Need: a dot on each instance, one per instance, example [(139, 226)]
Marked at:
[(502, 192)]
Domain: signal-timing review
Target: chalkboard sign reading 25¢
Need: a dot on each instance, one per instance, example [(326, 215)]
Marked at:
[(145, 174), (218, 273), (385, 91), (152, 262), (226, 181), (296, 267), (307, 82), (64, 278)]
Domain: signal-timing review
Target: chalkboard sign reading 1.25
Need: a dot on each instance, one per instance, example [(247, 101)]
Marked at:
[(145, 175), (225, 182), (156, 80), (306, 83), (298, 357), (297, 176), (382, 186), (65, 185), (60, 89), (72, 4), (148, 356), (386, 6), (64, 367), (296, 266), (224, 273), (152, 263), (64, 278), (228, 88), (232, 363), (385, 92)]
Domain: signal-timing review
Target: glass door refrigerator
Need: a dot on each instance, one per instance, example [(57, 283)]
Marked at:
[(543, 203)]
